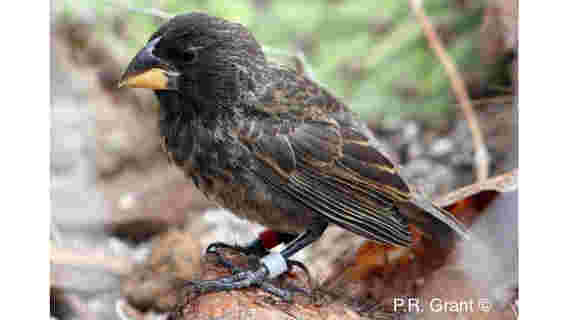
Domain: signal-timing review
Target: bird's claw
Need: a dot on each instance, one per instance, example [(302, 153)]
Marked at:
[(212, 249), (240, 280), (254, 248), (293, 263)]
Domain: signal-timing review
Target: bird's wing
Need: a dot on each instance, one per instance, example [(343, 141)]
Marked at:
[(331, 166)]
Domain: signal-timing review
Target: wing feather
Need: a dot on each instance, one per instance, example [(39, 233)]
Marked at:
[(333, 170)]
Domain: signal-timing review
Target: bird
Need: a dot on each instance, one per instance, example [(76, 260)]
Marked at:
[(273, 146)]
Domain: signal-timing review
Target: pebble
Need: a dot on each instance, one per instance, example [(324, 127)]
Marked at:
[(441, 147)]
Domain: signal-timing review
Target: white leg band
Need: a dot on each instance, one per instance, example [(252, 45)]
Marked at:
[(275, 263)]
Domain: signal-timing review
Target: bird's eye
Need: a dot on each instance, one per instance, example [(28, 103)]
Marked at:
[(186, 56), (190, 55)]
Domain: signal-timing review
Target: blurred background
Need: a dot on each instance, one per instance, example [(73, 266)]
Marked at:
[(115, 198)]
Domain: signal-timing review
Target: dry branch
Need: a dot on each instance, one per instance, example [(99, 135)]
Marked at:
[(457, 83), (503, 183), (117, 265)]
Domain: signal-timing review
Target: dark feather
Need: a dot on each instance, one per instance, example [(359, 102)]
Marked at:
[(332, 178), (276, 147)]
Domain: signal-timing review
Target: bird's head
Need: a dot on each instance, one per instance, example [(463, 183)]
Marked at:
[(208, 60)]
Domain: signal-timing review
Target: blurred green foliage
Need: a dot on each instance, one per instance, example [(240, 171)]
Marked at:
[(372, 53)]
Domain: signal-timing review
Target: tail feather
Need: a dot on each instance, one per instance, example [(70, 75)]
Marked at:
[(433, 220), (449, 219)]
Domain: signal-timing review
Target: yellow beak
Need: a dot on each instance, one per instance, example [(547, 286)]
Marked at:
[(154, 78), (146, 70)]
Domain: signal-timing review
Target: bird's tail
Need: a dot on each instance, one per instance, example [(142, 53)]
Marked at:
[(436, 222)]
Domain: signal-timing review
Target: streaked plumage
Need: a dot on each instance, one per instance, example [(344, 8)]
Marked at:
[(271, 145)]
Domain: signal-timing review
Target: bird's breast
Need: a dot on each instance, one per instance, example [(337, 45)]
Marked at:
[(221, 168)]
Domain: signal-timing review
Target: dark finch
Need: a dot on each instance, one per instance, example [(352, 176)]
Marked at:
[(272, 146)]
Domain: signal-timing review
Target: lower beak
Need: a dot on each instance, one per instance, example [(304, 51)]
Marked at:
[(148, 71), (153, 78)]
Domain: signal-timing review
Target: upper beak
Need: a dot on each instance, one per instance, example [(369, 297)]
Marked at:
[(148, 71)]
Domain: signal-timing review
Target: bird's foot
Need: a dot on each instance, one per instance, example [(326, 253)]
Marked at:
[(254, 248), (268, 267), (240, 280)]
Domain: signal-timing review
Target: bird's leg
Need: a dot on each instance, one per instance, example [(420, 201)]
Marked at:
[(259, 247), (268, 239), (270, 266)]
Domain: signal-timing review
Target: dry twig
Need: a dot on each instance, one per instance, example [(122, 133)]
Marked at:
[(506, 182), (458, 86), (116, 265)]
